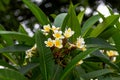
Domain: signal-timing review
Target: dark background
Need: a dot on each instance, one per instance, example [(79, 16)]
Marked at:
[(14, 12)]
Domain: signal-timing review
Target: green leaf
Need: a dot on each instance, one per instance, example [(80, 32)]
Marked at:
[(108, 33), (110, 10), (101, 15), (14, 48), (1, 27), (89, 24), (39, 14), (6, 74), (18, 36), (10, 57), (71, 21), (75, 60), (59, 19), (22, 30), (106, 60), (57, 72), (28, 67), (97, 73), (46, 58), (116, 39), (98, 42), (80, 16), (6, 2), (105, 24), (5, 64)]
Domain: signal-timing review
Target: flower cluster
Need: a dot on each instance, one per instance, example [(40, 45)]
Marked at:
[(30, 52), (112, 55), (58, 36), (59, 42)]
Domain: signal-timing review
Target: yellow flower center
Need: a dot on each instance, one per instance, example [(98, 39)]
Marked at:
[(58, 35), (68, 33), (49, 43), (112, 53), (58, 43), (46, 28)]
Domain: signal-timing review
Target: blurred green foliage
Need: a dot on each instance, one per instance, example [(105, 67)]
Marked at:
[(12, 13)]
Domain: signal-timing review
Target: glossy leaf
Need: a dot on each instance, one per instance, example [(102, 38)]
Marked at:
[(106, 60), (5, 64), (14, 48), (98, 42), (97, 73), (39, 14), (102, 26), (116, 39), (46, 59), (71, 21), (108, 33), (59, 19), (22, 30), (28, 67), (89, 24), (80, 16), (18, 36), (6, 74)]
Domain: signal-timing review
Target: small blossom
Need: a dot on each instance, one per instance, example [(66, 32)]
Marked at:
[(28, 54), (113, 59), (46, 28), (68, 33), (49, 42), (112, 53), (80, 62), (58, 43), (84, 48), (80, 43), (58, 35), (55, 28), (33, 49)]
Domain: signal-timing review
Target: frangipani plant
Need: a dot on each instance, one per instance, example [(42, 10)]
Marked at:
[(64, 49)]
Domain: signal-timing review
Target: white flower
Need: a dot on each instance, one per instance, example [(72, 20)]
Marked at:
[(49, 42), (46, 28), (28, 54), (58, 43), (33, 49), (80, 62), (112, 53), (55, 28), (58, 35), (83, 48), (68, 33), (80, 43), (113, 59)]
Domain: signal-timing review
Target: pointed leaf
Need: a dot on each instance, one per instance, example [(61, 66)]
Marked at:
[(22, 30), (89, 24), (97, 73), (80, 16), (98, 42), (28, 67), (14, 48), (5, 64), (18, 36), (46, 58), (39, 14), (6, 74), (102, 26), (71, 21), (59, 19)]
